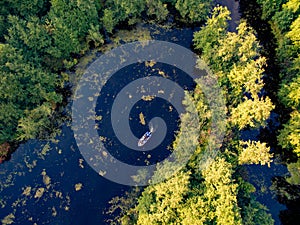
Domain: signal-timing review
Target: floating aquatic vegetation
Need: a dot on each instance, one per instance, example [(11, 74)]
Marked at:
[(150, 63), (29, 165), (27, 191), (142, 119), (44, 151), (81, 163), (46, 179), (162, 73), (78, 186), (148, 97), (54, 212), (39, 192), (9, 219)]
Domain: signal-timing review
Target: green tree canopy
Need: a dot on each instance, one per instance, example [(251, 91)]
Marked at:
[(69, 23), (23, 87), (270, 7), (207, 39), (294, 169), (121, 11), (289, 93), (193, 10), (29, 36), (289, 135)]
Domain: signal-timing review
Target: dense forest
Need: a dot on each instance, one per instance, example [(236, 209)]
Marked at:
[(42, 40)]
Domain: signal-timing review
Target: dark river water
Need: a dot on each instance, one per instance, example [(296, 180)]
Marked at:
[(157, 107), (49, 182), (56, 175)]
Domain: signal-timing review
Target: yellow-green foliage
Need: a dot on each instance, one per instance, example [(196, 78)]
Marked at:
[(35, 121), (159, 203), (289, 136), (289, 93), (254, 152), (206, 40), (178, 201), (235, 58), (294, 169), (252, 113), (248, 77), (294, 33), (210, 196)]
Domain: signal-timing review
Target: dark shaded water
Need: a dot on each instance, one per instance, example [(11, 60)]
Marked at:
[(261, 177), (41, 188), (157, 107)]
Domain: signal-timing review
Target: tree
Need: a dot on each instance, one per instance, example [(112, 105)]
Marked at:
[(4, 12), (236, 48), (246, 79), (28, 8), (193, 10), (159, 203), (109, 22), (24, 89), (289, 135), (282, 21), (256, 213), (285, 23), (121, 11), (254, 152), (235, 58), (289, 93), (294, 33), (207, 39), (33, 122), (283, 18), (270, 7), (29, 36), (9, 116), (158, 9), (189, 200), (221, 193), (252, 113), (294, 169), (69, 23), (95, 36)]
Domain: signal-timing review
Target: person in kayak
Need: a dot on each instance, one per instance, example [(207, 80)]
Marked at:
[(143, 140), (148, 134)]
